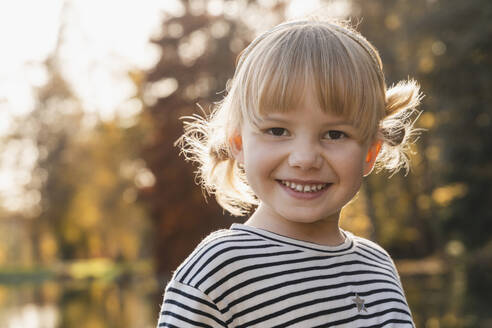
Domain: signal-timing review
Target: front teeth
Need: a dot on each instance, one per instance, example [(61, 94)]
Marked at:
[(304, 188)]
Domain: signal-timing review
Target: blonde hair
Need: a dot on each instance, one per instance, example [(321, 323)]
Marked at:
[(331, 58)]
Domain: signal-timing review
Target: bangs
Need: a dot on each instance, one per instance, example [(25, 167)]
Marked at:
[(297, 60)]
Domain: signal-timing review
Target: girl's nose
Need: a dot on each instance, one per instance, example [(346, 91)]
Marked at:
[(305, 157)]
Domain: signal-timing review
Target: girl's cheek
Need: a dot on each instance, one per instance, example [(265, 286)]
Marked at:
[(350, 156), (339, 150)]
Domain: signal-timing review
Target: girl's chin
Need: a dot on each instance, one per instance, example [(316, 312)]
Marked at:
[(302, 219)]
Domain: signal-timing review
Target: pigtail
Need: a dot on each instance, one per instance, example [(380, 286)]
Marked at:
[(397, 130), (204, 142)]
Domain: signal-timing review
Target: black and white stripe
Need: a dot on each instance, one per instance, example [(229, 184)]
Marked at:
[(248, 277)]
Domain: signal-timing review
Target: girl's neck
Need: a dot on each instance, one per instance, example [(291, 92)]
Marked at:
[(323, 232)]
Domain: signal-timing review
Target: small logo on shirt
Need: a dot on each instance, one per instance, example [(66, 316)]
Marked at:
[(360, 303)]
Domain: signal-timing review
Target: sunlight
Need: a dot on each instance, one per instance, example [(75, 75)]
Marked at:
[(27, 35), (159, 89), (335, 8), (98, 42), (16, 163), (192, 47), (34, 316), (298, 8), (97, 56), (215, 7), (98, 45)]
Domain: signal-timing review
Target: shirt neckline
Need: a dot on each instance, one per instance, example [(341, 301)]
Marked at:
[(346, 246)]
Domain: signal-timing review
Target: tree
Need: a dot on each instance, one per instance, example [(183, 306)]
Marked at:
[(198, 56)]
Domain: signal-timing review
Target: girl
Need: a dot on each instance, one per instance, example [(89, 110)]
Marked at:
[(306, 117)]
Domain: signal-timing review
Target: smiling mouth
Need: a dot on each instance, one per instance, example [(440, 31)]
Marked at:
[(306, 188)]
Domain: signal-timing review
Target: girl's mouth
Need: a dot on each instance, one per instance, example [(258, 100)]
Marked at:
[(304, 187)]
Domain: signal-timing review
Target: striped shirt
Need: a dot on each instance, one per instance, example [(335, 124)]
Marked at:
[(248, 277)]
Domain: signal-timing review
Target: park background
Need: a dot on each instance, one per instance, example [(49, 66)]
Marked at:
[(97, 209)]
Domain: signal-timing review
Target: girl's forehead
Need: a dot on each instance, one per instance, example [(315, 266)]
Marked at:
[(306, 105)]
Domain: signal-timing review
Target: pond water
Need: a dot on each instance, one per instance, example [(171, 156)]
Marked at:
[(132, 302)]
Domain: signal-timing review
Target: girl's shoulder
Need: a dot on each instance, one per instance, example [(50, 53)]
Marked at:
[(217, 247), (367, 245)]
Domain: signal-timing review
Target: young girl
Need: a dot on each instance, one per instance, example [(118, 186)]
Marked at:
[(306, 117)]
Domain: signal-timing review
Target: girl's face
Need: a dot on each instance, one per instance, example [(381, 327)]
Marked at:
[(303, 165)]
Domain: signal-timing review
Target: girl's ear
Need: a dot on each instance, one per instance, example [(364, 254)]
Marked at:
[(371, 156), (236, 143)]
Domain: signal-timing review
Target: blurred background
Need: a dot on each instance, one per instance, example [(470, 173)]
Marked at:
[(97, 209)]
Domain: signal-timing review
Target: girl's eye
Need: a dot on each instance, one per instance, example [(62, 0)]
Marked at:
[(334, 135), (278, 132)]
